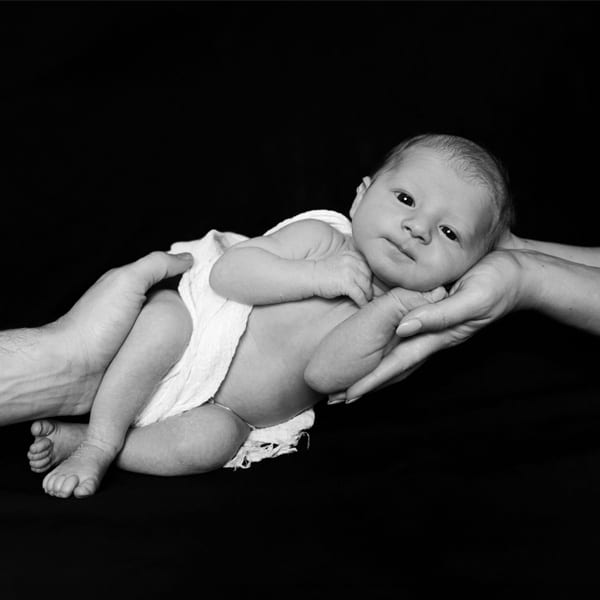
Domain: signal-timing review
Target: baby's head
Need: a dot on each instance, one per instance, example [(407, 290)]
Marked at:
[(431, 211)]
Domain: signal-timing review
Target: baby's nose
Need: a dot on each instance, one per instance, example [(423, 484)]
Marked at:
[(419, 230)]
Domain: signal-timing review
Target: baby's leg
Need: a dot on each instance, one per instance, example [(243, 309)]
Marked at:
[(156, 341), (199, 440)]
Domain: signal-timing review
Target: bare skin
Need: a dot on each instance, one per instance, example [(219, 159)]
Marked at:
[(201, 440), (206, 437), (154, 344), (82, 474), (53, 442), (320, 319), (56, 369)]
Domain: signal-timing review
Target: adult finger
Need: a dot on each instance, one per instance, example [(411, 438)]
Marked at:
[(156, 266), (349, 399), (399, 363), (449, 312)]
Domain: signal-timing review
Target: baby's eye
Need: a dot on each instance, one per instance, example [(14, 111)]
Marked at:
[(405, 198), (449, 233)]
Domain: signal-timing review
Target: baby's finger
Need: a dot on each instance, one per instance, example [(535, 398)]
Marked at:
[(436, 295), (364, 268), (357, 295), (364, 283)]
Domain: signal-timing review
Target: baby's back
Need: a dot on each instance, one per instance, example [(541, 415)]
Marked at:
[(265, 383)]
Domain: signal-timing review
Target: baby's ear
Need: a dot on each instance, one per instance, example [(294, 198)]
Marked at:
[(360, 192)]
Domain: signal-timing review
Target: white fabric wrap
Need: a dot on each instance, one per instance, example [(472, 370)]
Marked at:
[(218, 325)]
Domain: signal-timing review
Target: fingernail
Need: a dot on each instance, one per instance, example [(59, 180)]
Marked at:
[(409, 327), (185, 256), (351, 400), (336, 398)]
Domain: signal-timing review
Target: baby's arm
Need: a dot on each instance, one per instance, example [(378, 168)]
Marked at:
[(357, 345), (304, 259)]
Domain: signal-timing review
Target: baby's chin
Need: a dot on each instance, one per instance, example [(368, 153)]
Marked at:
[(410, 282)]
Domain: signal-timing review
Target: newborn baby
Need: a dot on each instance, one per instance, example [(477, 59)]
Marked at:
[(226, 372)]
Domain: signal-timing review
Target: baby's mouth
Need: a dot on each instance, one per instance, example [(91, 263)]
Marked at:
[(402, 250)]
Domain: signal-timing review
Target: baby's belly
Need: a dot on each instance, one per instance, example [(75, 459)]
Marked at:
[(265, 383)]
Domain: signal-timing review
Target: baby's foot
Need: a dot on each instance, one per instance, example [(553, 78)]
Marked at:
[(54, 441), (81, 473)]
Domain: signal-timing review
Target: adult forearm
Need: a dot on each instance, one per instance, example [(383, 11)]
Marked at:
[(564, 290), (36, 380), (256, 276), (579, 254)]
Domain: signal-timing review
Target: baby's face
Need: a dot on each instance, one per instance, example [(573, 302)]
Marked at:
[(421, 225)]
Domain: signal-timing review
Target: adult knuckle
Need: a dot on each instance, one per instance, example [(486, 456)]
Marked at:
[(156, 256), (443, 320)]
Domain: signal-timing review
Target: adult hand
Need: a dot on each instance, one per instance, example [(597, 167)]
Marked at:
[(56, 369), (94, 329), (489, 290)]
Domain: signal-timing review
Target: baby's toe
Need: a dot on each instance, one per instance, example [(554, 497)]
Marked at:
[(86, 488), (39, 465), (48, 484), (37, 452), (43, 427), (68, 484), (42, 445), (36, 428), (35, 455), (52, 483), (40, 462), (61, 486)]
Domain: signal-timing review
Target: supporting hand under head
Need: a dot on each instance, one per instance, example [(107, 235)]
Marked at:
[(489, 290)]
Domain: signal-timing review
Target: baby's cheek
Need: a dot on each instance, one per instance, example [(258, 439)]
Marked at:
[(457, 268), (440, 273)]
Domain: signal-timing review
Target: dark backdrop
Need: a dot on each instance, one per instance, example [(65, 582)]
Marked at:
[(126, 127)]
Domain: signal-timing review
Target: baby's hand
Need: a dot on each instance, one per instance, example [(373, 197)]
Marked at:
[(344, 274)]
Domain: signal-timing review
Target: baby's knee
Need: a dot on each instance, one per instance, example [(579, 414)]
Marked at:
[(228, 433), (170, 318)]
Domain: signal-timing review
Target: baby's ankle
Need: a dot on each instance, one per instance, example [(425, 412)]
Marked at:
[(108, 445)]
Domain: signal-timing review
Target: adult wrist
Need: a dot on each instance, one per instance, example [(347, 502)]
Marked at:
[(529, 278), (41, 376)]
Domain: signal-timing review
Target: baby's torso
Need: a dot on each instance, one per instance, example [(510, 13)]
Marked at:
[(265, 383)]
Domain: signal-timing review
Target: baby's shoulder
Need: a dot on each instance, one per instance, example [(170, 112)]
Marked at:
[(327, 239), (317, 237)]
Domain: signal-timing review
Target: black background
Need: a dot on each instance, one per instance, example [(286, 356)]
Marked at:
[(126, 127)]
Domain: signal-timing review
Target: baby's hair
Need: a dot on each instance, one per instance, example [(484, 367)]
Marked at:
[(470, 160)]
